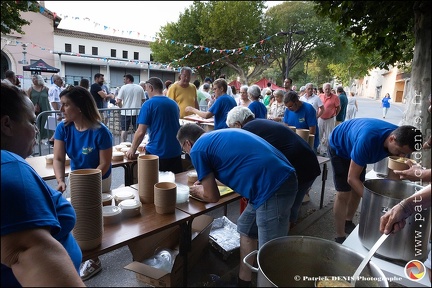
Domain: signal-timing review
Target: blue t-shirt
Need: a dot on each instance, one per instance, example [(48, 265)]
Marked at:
[(161, 114), (303, 118), (220, 109), (243, 161), (361, 140), (343, 104), (27, 202), (386, 102), (83, 147), (259, 109)]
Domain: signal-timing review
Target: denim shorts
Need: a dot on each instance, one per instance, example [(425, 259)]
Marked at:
[(271, 219), (303, 188), (340, 171)]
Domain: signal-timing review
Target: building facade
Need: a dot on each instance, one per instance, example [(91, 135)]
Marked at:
[(77, 54)]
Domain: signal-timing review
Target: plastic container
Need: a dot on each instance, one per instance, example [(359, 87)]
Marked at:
[(111, 214), (106, 199), (182, 193), (123, 195), (130, 208)]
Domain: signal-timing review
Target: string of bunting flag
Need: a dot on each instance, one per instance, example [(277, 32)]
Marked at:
[(173, 65)]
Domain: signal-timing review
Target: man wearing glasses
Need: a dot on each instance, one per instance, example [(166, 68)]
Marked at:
[(235, 158), (160, 115)]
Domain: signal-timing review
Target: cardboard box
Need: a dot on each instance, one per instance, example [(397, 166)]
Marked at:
[(169, 239)]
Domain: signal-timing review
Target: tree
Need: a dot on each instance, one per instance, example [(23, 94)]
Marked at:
[(400, 33), (10, 15), (208, 32), (329, 53)]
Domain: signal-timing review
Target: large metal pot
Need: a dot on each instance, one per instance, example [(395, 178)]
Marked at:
[(380, 195), (297, 261), (381, 167)]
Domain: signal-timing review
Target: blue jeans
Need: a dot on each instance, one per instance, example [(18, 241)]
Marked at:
[(271, 219), (302, 190)]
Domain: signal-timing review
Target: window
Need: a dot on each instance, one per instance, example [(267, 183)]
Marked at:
[(125, 54), (94, 50), (113, 53), (81, 49), (68, 47), (136, 55)]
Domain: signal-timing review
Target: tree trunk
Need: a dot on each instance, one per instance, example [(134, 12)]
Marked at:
[(417, 109)]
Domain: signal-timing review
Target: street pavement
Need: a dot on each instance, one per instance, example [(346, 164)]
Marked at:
[(213, 270)]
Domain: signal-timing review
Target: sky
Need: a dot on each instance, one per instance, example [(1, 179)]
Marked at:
[(131, 19)]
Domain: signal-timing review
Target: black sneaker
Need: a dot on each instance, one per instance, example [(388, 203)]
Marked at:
[(349, 227), (340, 240)]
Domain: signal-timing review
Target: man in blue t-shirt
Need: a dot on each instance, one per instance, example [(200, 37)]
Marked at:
[(235, 158), (301, 114), (352, 145), (223, 104), (160, 116)]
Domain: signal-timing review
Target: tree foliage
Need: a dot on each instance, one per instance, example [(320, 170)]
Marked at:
[(222, 26), (385, 27), (10, 15)]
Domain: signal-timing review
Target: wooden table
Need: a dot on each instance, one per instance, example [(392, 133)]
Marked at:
[(46, 171), (324, 171), (135, 228), (195, 208)]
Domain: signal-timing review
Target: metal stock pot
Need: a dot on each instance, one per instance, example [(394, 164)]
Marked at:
[(380, 195), (297, 261)]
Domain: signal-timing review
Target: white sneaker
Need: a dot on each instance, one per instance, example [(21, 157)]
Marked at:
[(90, 268)]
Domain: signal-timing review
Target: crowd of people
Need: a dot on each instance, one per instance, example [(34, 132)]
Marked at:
[(247, 126)]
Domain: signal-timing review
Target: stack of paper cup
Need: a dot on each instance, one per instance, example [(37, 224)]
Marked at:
[(311, 140), (165, 196), (303, 133), (148, 176), (86, 198)]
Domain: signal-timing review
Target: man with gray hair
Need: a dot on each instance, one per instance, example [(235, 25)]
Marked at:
[(313, 99), (183, 92), (327, 120), (296, 150)]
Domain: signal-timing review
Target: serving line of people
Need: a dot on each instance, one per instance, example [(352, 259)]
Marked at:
[(219, 154)]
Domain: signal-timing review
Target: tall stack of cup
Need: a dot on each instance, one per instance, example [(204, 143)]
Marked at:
[(148, 176), (311, 140), (303, 133), (86, 198)]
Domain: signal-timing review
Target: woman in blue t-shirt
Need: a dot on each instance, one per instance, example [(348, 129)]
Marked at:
[(87, 142), (257, 107), (386, 104)]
